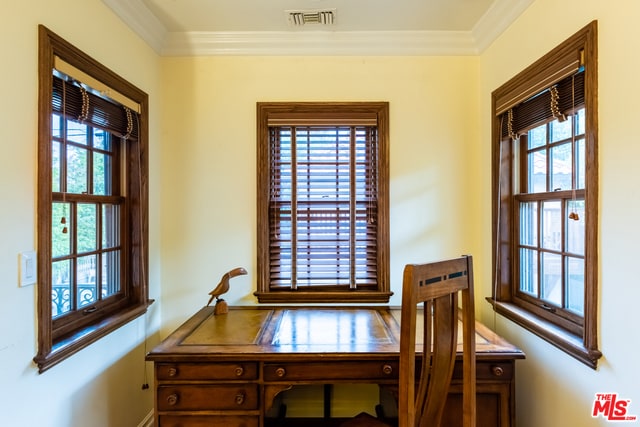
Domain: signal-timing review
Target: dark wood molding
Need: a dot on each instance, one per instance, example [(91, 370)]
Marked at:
[(323, 110), (505, 271), (58, 340), (571, 344)]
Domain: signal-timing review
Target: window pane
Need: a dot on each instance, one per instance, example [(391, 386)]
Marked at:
[(575, 285), (76, 169), (110, 226), (580, 164), (87, 289), (56, 126), (537, 137), (61, 287), (529, 224), (529, 271), (55, 167), (323, 246), (60, 229), (323, 165), (101, 139), (580, 121), (575, 226), (561, 167), (551, 285), (560, 130), (537, 174), (101, 174), (87, 227), (551, 225), (76, 132), (110, 273)]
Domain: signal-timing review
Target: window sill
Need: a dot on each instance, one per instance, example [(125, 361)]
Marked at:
[(64, 348), (569, 343), (322, 297)]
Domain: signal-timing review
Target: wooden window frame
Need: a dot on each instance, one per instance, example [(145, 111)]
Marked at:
[(57, 340), (325, 112), (579, 342)]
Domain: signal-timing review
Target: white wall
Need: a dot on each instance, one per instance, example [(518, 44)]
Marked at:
[(552, 388), (101, 385)]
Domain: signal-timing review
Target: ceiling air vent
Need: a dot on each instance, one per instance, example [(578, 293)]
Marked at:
[(303, 17)]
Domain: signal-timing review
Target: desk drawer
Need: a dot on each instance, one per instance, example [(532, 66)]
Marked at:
[(207, 421), (206, 371), (330, 371), (207, 397), (502, 371), (488, 370)]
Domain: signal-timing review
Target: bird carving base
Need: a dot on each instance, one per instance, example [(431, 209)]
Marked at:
[(222, 287), (221, 307)]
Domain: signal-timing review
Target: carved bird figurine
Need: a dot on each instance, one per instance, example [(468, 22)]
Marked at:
[(223, 286)]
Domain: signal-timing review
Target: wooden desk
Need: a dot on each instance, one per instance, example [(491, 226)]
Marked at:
[(225, 370)]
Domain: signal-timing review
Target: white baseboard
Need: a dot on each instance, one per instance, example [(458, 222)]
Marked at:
[(148, 420)]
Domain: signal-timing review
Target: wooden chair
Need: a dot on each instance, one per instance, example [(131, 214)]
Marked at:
[(437, 285)]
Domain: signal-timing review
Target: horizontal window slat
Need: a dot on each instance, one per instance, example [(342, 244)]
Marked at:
[(328, 119)]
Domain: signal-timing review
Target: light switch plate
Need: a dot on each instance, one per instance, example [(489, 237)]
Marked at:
[(28, 268)]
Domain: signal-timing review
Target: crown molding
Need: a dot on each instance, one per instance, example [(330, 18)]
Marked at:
[(356, 43), (500, 15), (137, 16), (143, 22)]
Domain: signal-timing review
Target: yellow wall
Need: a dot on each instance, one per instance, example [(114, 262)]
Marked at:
[(101, 385), (209, 163), (552, 388), (202, 220), (209, 159)]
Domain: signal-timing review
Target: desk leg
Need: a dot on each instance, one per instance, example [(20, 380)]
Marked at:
[(328, 389)]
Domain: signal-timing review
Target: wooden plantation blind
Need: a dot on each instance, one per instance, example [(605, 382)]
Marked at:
[(537, 109), (70, 99), (323, 202)]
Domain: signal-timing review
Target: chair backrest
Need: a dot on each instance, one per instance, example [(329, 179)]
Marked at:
[(437, 285)]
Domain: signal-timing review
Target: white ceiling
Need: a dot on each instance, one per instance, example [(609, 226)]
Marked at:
[(378, 27)]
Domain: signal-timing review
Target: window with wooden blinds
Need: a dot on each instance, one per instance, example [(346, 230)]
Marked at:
[(323, 204), (93, 150), (545, 197)]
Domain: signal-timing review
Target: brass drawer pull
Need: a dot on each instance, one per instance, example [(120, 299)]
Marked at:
[(387, 369), (172, 399), (497, 371), (281, 372), (239, 371), (240, 398), (173, 372)]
